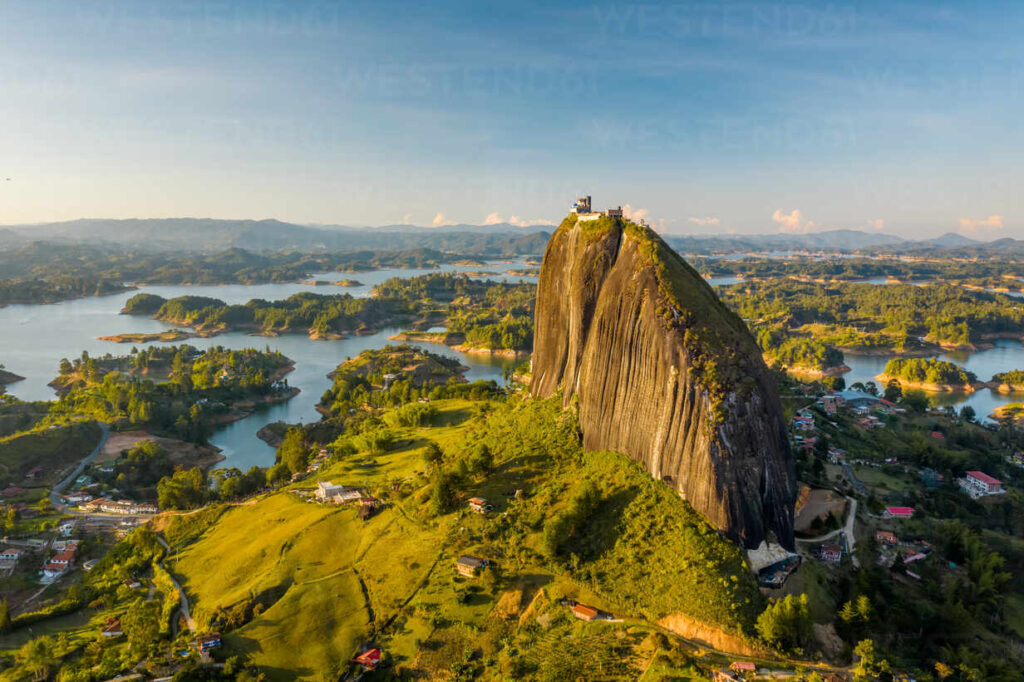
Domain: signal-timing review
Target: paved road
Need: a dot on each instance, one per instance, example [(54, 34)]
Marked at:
[(847, 531), (854, 481), (181, 592), (59, 488)]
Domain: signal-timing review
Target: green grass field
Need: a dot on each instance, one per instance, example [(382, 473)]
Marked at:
[(51, 448), (327, 582)]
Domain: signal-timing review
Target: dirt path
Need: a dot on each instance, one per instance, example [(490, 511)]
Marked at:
[(185, 611)]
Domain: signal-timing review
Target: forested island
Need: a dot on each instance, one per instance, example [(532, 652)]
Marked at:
[(55, 288), (929, 374), (1009, 382), (988, 273), (877, 319), (179, 391), (480, 315)]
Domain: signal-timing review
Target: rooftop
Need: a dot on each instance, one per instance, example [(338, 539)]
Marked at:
[(984, 478)]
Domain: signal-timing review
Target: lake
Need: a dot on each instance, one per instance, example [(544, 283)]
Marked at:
[(36, 337), (1006, 355)]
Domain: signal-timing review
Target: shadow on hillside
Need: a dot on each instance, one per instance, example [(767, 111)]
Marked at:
[(604, 526)]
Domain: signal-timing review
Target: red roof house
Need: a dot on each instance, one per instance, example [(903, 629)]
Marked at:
[(584, 612), (898, 512), (978, 483), (369, 659)]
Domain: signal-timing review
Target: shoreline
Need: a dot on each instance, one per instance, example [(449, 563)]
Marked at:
[(817, 373), (457, 342), (883, 379)]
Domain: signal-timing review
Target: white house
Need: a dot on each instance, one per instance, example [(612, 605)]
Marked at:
[(325, 490), (346, 494)]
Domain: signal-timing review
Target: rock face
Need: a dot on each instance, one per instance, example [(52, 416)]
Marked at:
[(664, 373)]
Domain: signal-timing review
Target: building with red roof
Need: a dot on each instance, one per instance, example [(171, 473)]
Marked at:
[(369, 659), (584, 612), (979, 484), (886, 537), (898, 513)]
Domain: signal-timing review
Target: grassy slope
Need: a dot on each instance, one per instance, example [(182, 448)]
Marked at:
[(52, 449), (646, 554)]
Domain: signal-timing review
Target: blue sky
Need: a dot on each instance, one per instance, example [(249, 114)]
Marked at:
[(704, 117)]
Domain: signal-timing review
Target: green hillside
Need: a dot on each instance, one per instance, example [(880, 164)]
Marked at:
[(300, 586)]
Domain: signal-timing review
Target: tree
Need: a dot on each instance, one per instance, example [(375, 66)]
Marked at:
[(185, 489), (482, 460), (141, 623), (38, 655), (867, 667), (293, 452), (279, 473), (967, 413), (442, 495), (786, 623), (432, 454), (5, 617), (893, 391)]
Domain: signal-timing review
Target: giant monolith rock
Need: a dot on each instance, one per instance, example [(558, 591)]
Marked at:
[(664, 373)]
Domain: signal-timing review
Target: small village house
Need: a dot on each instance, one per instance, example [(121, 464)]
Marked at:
[(898, 513), (112, 628), (468, 566), (325, 490), (979, 484), (743, 667), (831, 552), (58, 565), (885, 537), (369, 660), (76, 498), (11, 554), (346, 495), (584, 612), (206, 643), (479, 505), (830, 404)]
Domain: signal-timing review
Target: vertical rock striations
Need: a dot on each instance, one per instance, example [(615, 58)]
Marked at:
[(663, 372)]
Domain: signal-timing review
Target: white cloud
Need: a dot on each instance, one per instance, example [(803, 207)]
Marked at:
[(709, 220), (876, 224), (976, 225), (441, 221), (792, 223), (407, 219), (630, 213), (495, 219)]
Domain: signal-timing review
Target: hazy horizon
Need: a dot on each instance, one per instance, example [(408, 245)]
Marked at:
[(533, 226)]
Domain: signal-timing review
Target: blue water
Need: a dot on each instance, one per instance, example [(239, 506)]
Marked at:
[(34, 338)]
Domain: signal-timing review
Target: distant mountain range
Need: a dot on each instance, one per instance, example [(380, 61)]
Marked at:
[(843, 241), (502, 239), (206, 234)]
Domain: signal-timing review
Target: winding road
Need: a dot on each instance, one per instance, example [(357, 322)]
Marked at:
[(59, 488), (185, 610)]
